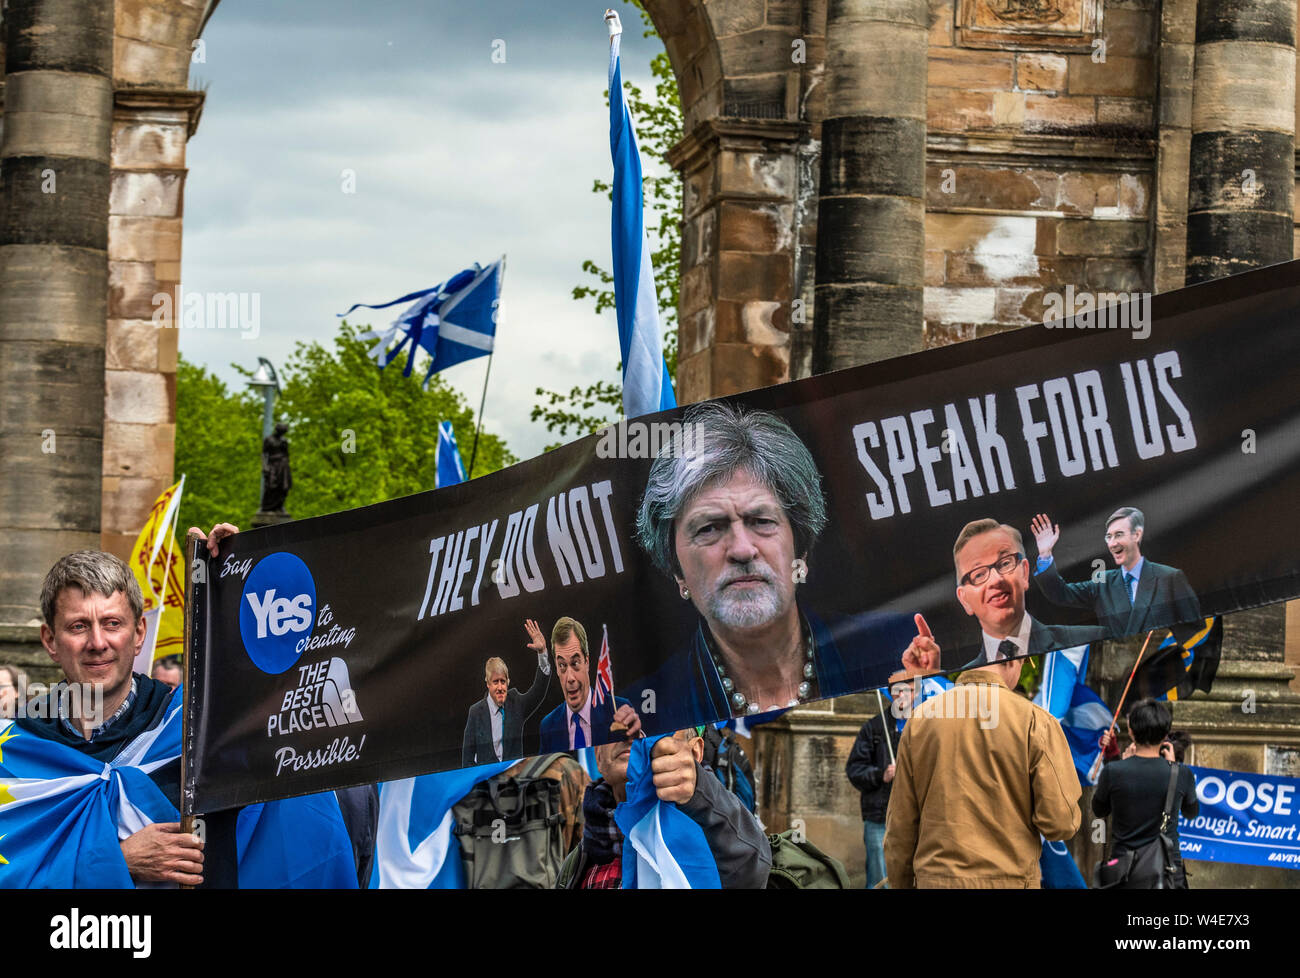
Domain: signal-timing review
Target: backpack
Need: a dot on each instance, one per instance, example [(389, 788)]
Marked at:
[(511, 830), (802, 866), (723, 753)]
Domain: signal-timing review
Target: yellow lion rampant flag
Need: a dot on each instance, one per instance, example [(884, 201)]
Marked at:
[(156, 562)]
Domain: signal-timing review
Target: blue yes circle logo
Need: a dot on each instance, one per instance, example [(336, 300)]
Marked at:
[(276, 611)]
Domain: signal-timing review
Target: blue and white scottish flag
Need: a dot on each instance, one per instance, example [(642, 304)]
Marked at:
[(415, 848), (646, 384), (923, 689), (1084, 717), (453, 321), (451, 470), (64, 814), (663, 847)]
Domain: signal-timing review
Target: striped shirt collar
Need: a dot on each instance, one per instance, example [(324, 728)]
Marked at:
[(62, 697)]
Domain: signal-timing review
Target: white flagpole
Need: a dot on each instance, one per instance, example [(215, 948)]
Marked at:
[(880, 701)]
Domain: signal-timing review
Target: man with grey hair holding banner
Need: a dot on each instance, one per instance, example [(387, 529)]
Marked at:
[(732, 519)]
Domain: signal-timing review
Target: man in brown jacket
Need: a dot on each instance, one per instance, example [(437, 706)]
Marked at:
[(981, 770)]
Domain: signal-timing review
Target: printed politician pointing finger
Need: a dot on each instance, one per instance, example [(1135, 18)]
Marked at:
[(673, 765), (922, 656)]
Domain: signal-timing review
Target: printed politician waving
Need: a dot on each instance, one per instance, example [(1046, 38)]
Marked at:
[(1135, 596), (494, 728)]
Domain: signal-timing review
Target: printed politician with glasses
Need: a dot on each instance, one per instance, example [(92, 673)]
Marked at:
[(992, 578), (1135, 596), (578, 722), (732, 520)]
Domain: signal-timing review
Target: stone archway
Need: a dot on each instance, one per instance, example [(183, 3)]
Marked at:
[(748, 162)]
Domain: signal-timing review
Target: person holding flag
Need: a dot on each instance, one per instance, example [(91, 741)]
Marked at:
[(870, 769), (659, 819), (90, 778)]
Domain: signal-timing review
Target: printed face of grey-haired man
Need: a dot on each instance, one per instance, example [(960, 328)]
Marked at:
[(732, 521)]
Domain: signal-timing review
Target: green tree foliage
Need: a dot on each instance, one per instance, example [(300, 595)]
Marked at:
[(218, 449), (357, 435), (658, 122)]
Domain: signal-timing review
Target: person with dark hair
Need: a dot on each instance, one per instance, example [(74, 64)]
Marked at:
[(1135, 596), (168, 670), (983, 776), (870, 769), (734, 836), (1132, 791), (731, 514), (579, 721)]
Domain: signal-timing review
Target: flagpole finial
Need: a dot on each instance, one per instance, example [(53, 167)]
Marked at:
[(613, 23)]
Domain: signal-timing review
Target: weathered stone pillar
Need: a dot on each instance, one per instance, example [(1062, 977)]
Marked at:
[(54, 162), (1241, 190), (1174, 134), (738, 248), (871, 211)]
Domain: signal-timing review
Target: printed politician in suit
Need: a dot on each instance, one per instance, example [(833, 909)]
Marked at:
[(992, 578), (578, 722), (731, 515), (494, 729), (1135, 596)]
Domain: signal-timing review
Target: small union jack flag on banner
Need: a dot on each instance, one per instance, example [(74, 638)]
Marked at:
[(604, 671)]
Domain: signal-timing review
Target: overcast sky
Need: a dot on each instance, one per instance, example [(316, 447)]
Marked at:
[(457, 159)]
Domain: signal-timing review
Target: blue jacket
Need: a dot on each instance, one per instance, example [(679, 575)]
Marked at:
[(555, 725)]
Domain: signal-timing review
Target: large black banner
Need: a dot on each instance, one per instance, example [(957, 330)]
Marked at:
[(770, 548)]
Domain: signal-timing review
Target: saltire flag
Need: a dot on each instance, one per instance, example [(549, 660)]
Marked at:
[(156, 563), (453, 322), (64, 813), (744, 726), (663, 847), (587, 757), (1188, 660), (646, 384), (415, 845), (1084, 717), (451, 470), (604, 685)]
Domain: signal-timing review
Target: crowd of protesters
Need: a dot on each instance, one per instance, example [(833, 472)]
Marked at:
[(955, 802)]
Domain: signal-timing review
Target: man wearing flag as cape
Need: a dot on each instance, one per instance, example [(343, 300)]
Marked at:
[(90, 777)]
